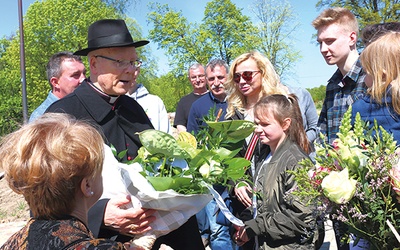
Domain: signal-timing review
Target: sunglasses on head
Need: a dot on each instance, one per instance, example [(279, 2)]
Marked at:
[(246, 75)]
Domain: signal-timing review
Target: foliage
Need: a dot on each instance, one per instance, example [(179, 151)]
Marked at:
[(219, 35), (49, 26), (318, 93), (170, 88), (277, 25), (4, 43), (180, 39), (120, 6), (221, 31), (368, 11), (10, 111), (210, 158), (355, 180), (149, 66), (225, 26)]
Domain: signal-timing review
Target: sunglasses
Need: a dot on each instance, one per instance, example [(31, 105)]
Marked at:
[(246, 75)]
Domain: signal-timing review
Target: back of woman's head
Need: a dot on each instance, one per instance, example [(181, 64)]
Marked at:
[(282, 107), (270, 80), (381, 60), (373, 31), (46, 160)]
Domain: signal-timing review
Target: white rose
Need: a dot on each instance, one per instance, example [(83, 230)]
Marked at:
[(338, 187)]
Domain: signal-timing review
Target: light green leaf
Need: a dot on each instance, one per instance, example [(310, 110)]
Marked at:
[(159, 142)]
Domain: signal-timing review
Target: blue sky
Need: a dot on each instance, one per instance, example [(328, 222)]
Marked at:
[(311, 71)]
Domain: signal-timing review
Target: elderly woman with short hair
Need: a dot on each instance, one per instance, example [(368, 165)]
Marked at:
[(55, 162)]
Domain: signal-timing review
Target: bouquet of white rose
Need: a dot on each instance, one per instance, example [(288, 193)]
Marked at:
[(356, 180), (186, 163), (175, 176)]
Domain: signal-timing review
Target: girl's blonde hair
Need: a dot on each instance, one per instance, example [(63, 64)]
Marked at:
[(380, 59)]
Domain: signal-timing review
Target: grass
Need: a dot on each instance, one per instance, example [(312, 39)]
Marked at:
[(21, 207), (3, 214)]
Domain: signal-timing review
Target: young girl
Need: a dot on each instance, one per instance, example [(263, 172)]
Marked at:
[(281, 221), (251, 77), (381, 62)]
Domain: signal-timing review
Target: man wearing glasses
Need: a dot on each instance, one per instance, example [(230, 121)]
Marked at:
[(197, 78), (216, 75), (101, 100)]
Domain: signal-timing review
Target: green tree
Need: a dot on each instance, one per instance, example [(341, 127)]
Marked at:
[(276, 28), (221, 34), (170, 88), (224, 32), (367, 11), (49, 26), (318, 95), (229, 33), (180, 39), (4, 43), (120, 6)]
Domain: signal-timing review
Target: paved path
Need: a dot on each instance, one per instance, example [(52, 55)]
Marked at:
[(329, 242), (7, 229)]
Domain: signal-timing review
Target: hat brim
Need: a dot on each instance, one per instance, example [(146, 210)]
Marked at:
[(85, 52)]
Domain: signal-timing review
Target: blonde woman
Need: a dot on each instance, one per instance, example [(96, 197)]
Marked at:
[(251, 76)]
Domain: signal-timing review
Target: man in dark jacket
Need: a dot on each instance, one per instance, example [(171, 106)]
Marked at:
[(101, 100)]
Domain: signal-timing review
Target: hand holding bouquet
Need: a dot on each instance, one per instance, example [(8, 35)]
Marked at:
[(174, 175)]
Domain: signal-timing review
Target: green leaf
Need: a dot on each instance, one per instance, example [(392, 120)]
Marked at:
[(188, 148), (122, 154), (236, 167), (202, 157), (224, 153), (159, 142), (165, 183), (233, 130)]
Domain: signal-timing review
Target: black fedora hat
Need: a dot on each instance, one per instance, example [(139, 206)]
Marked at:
[(108, 33)]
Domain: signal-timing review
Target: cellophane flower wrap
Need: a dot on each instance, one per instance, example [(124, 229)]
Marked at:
[(181, 170), (357, 181)]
